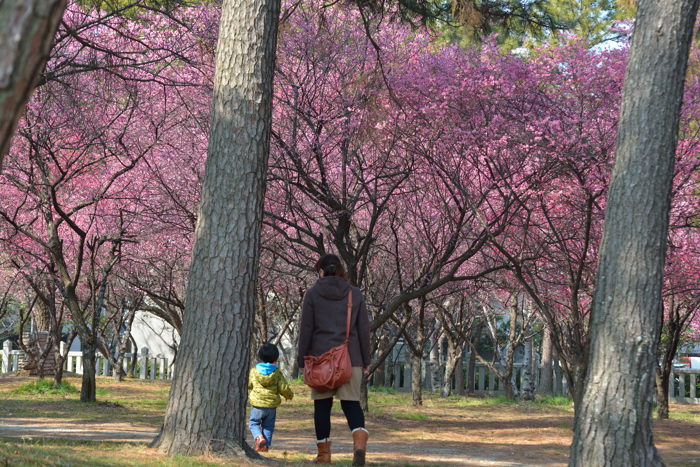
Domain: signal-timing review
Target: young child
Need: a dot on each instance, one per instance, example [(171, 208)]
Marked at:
[(265, 385)]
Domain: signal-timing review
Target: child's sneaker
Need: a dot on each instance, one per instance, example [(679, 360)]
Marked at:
[(260, 444)]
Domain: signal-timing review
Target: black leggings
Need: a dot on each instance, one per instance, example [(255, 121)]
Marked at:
[(322, 416)]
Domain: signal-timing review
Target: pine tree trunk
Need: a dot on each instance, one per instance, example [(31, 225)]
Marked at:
[(28, 28), (207, 404), (613, 423)]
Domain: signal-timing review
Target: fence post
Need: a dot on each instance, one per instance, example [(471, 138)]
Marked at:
[(693, 386), (164, 367), (6, 346), (681, 386), (153, 368), (144, 362), (63, 352)]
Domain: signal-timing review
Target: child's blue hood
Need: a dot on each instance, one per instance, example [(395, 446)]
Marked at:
[(265, 368)]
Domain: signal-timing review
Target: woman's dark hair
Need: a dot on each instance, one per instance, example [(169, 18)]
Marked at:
[(268, 353), (331, 266)]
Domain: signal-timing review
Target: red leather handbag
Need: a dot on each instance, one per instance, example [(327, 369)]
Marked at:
[(333, 368)]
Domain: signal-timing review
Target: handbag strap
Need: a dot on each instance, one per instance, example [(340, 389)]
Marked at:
[(347, 323)]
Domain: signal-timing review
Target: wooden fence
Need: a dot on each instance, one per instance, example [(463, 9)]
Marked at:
[(485, 380), (147, 366), (684, 385)]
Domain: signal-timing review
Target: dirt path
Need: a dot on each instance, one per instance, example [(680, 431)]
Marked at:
[(394, 448), (48, 428), (452, 441)]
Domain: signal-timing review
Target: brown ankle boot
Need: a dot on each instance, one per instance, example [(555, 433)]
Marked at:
[(324, 452), (359, 446)]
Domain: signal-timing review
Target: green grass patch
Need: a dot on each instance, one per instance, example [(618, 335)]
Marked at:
[(556, 401), (479, 401), (45, 386), (411, 415), (690, 415)]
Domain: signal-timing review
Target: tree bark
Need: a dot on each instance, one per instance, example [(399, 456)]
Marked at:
[(662, 379), (545, 386), (434, 362), (28, 28), (527, 383), (416, 379), (207, 404), (471, 364), (459, 373), (452, 362), (88, 387), (613, 424)]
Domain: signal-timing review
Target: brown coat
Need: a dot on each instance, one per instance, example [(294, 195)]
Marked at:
[(323, 317)]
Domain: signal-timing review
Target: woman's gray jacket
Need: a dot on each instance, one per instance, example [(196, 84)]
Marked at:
[(323, 317)]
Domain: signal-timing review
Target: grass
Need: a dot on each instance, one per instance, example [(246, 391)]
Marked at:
[(133, 401), (411, 415), (690, 415), (44, 386)]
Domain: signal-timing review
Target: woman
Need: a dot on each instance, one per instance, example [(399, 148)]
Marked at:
[(323, 326)]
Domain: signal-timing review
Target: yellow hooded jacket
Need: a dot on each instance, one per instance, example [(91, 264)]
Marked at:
[(265, 385)]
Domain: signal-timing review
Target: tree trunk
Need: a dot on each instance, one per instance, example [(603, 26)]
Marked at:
[(416, 386), (507, 372), (508, 379), (459, 373), (379, 376), (364, 395), (454, 353), (434, 367), (662, 379), (527, 383), (61, 359), (88, 389), (613, 424), (118, 372), (471, 366), (546, 370), (58, 373), (28, 28), (207, 404)]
